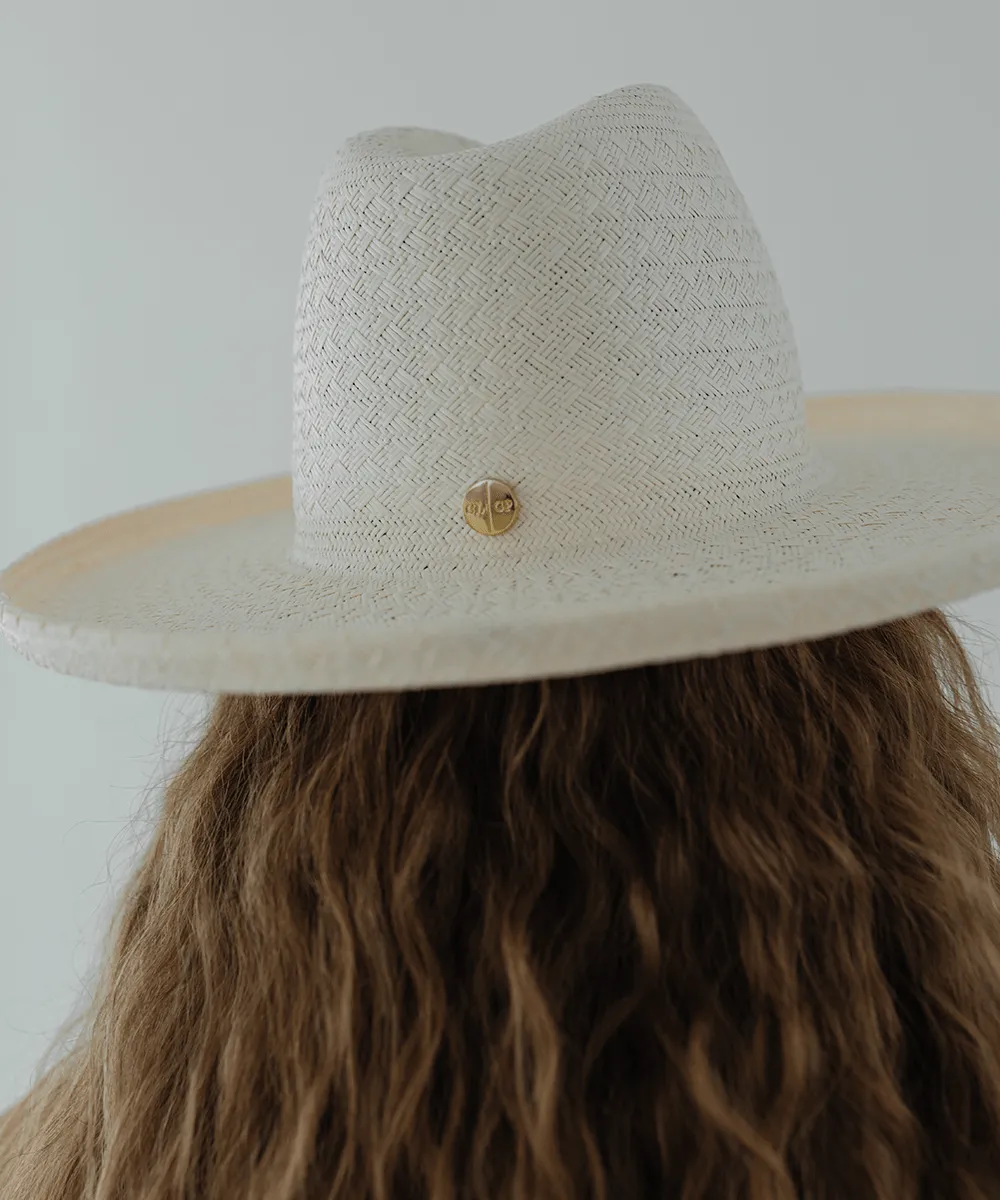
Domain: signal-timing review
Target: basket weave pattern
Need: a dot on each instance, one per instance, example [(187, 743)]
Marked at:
[(587, 311)]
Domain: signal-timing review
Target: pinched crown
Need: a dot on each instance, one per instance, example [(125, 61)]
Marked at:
[(586, 311)]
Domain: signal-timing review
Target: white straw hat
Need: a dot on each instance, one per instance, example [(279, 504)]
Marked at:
[(548, 419)]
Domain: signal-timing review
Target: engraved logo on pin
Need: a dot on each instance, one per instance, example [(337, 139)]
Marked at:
[(490, 506)]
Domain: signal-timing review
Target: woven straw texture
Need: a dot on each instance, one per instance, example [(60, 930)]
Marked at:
[(588, 312)]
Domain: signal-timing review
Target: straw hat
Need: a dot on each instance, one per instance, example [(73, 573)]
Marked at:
[(548, 419)]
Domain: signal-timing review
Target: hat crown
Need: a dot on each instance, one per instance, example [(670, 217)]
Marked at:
[(586, 311)]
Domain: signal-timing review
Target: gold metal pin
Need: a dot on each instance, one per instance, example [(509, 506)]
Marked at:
[(490, 506)]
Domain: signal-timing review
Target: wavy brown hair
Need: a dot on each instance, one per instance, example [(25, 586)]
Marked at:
[(719, 928)]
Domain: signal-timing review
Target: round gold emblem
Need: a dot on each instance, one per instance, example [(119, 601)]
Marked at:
[(490, 506)]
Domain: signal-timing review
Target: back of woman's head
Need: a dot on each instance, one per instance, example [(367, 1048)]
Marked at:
[(719, 928)]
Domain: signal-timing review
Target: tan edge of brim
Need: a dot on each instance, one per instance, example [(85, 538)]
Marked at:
[(41, 572)]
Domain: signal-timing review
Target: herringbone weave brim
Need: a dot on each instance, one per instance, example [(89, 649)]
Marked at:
[(201, 594)]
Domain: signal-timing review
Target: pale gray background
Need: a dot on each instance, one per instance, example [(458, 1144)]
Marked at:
[(158, 164)]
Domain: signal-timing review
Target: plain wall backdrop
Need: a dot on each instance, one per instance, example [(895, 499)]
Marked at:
[(157, 166)]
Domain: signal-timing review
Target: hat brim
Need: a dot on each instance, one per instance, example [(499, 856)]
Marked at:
[(201, 593)]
